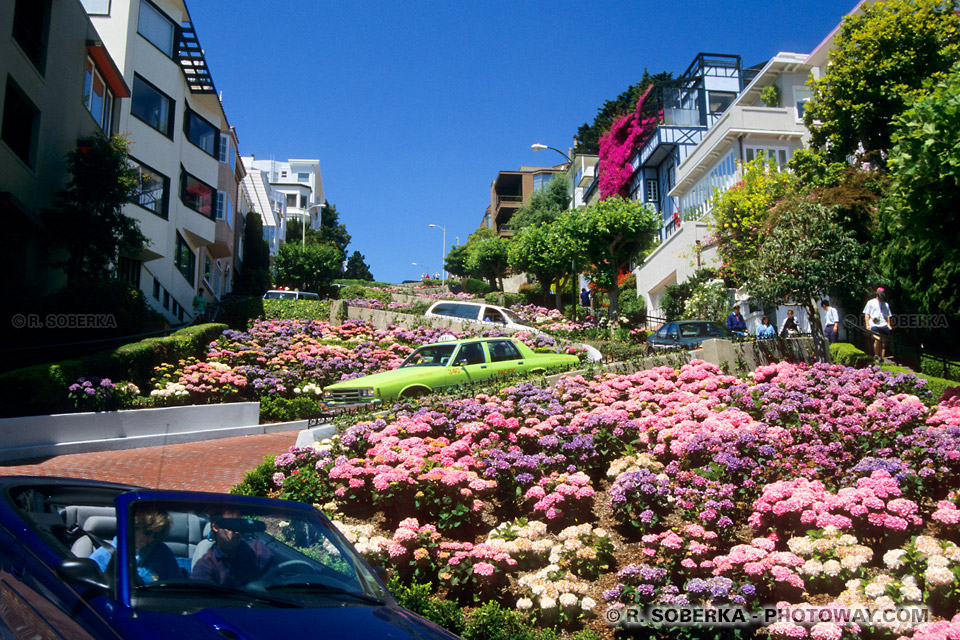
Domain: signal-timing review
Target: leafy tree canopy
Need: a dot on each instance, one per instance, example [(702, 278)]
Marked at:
[(456, 261), (488, 258), (544, 251), (919, 241), (609, 235), (545, 205), (87, 218), (881, 59), (357, 268), (311, 267), (254, 277)]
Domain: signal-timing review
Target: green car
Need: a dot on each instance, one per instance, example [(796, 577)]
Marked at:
[(446, 364)]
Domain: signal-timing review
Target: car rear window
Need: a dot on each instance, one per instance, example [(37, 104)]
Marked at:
[(692, 330), (503, 350)]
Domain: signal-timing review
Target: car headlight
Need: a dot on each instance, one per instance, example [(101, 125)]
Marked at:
[(327, 394), (366, 393)]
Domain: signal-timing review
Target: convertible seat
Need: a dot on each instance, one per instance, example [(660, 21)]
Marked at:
[(103, 527)]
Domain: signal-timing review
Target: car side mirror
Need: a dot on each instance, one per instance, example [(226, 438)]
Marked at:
[(83, 571)]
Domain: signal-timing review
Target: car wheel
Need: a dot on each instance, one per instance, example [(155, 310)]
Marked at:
[(414, 392)]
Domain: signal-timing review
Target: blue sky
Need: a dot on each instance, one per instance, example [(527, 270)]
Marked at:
[(413, 107)]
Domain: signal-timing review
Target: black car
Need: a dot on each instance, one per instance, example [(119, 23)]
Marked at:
[(686, 334)]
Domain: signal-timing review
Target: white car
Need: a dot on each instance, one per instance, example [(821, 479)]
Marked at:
[(478, 312), (278, 294)]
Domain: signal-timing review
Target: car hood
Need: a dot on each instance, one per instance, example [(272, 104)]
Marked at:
[(355, 622), (375, 379)]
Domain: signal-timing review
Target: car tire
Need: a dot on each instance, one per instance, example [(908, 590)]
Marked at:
[(415, 392)]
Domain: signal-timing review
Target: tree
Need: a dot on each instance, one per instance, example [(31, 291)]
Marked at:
[(357, 268), (331, 230), (456, 261), (87, 218), (489, 259), (609, 235), (740, 213), (804, 251), (309, 268), (881, 58), (919, 243), (545, 206), (546, 252), (254, 276)]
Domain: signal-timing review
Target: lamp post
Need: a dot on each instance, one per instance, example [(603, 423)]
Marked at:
[(422, 267), (536, 146), (303, 222), (443, 273)]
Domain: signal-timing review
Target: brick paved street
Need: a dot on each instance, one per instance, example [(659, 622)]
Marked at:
[(213, 465)]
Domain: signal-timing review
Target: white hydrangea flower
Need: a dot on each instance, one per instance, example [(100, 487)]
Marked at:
[(831, 568), (568, 600), (524, 604), (893, 559)]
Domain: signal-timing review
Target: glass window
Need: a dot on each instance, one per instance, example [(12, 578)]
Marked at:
[(97, 98), (197, 195), (201, 133), (221, 205), (444, 310), (229, 213), (492, 315), (470, 353), (166, 299), (156, 289), (720, 101), (152, 189), (467, 311), (152, 106), (503, 350), (662, 333), (801, 96), (653, 190), (435, 355), (303, 177), (30, 22), (128, 270), (207, 268), (184, 259), (156, 27), (541, 180), (291, 200), (96, 7), (21, 123), (303, 202), (224, 151)]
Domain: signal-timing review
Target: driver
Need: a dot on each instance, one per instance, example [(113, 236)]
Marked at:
[(233, 560)]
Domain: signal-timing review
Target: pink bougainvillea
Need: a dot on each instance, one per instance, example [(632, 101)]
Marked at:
[(627, 134)]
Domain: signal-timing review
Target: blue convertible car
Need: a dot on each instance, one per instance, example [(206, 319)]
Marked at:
[(87, 559)]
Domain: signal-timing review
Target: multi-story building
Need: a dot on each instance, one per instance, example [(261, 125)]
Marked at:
[(582, 174), (183, 149), (511, 190), (58, 85), (300, 185), (269, 204)]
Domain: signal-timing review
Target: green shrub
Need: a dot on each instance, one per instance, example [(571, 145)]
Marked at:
[(532, 293), (365, 283), (307, 486), (238, 311), (476, 287), (493, 622), (40, 389), (257, 481), (318, 310), (417, 598), (136, 361), (949, 370), (279, 409), (494, 297), (846, 354)]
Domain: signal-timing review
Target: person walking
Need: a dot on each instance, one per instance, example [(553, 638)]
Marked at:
[(199, 306), (831, 321), (876, 317)]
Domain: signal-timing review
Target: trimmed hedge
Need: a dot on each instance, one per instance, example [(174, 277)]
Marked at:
[(296, 310), (476, 287), (936, 385), (238, 311), (42, 389), (846, 354)]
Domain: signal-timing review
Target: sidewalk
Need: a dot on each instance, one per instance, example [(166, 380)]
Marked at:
[(212, 465)]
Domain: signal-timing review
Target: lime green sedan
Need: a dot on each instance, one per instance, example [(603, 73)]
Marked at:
[(446, 364)]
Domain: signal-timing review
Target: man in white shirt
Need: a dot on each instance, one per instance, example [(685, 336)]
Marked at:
[(876, 316), (831, 321)]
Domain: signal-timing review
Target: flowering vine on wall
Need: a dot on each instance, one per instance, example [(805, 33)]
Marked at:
[(627, 134)]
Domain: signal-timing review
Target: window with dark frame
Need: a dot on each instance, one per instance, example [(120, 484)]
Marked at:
[(128, 270), (154, 25), (197, 195), (152, 191), (152, 106), (201, 133), (21, 123), (31, 24), (185, 260), (97, 97)]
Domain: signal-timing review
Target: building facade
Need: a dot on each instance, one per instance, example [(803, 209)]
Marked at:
[(513, 189), (58, 85), (300, 185), (184, 151)]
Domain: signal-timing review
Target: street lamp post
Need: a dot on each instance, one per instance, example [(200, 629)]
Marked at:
[(536, 146), (422, 267), (443, 272)]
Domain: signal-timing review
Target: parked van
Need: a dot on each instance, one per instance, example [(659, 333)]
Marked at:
[(478, 312), (278, 294)]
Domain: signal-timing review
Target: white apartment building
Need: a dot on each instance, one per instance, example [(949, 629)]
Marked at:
[(183, 148), (299, 183), (269, 204)]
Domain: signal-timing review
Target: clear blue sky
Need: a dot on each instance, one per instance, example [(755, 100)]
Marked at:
[(413, 107)]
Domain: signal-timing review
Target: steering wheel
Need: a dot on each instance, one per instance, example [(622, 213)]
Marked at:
[(290, 568)]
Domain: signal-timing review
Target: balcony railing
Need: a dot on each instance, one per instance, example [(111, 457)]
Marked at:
[(509, 199)]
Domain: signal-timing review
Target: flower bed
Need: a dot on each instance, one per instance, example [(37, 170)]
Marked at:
[(692, 486)]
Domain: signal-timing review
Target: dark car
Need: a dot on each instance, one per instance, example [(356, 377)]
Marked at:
[(687, 334), (164, 573)]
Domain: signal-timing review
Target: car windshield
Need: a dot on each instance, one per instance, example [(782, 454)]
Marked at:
[(437, 355), (190, 554), (514, 318)]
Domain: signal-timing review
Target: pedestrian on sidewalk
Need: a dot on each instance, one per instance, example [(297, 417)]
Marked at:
[(876, 316)]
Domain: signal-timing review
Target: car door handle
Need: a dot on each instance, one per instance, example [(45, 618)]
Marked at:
[(521, 362)]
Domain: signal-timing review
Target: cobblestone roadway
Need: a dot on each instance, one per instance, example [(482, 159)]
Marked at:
[(212, 465)]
